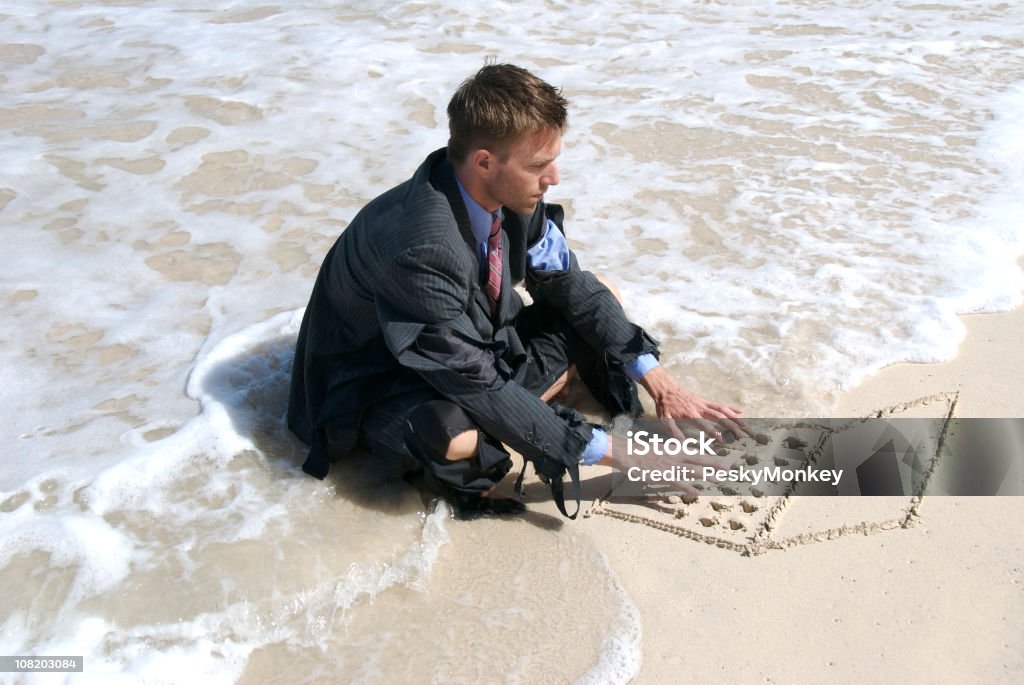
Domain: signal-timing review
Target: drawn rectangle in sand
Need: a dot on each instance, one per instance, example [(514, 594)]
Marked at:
[(752, 519)]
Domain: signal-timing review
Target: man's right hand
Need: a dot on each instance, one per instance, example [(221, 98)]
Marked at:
[(617, 456), (674, 402)]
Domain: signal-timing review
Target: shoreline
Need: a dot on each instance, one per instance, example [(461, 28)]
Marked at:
[(985, 372)]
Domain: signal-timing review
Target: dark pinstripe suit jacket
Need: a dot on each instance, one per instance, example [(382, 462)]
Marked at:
[(407, 263)]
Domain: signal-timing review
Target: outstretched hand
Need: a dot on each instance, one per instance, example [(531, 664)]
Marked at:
[(674, 402)]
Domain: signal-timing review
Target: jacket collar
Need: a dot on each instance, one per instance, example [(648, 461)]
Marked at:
[(442, 177)]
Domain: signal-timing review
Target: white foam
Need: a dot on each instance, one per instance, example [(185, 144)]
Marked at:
[(412, 569), (621, 650)]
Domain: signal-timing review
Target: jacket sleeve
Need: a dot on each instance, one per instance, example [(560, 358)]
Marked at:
[(582, 299), (422, 302)]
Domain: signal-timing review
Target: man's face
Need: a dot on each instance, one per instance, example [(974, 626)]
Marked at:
[(521, 179)]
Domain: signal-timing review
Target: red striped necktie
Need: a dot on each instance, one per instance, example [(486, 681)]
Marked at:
[(493, 286)]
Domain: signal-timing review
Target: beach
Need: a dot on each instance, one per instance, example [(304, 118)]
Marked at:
[(813, 207)]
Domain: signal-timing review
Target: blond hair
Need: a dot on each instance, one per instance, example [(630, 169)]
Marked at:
[(499, 104)]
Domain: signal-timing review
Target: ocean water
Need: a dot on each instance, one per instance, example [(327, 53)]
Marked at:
[(790, 195)]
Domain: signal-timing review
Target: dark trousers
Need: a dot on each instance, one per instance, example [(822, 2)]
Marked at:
[(419, 423)]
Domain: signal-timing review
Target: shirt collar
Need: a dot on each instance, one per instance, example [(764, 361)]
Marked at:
[(479, 218)]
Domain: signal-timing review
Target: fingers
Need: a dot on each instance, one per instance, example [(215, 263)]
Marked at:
[(705, 460), (673, 427), (698, 460), (705, 425), (689, 489), (738, 428), (728, 412), (728, 417)]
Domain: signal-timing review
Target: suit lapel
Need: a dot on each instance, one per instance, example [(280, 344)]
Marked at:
[(516, 228), (506, 279)]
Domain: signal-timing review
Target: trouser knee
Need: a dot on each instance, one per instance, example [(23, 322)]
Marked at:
[(428, 436), (435, 424), (612, 286)]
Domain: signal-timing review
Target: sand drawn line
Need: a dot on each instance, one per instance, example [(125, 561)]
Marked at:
[(762, 540), (669, 528), (918, 499)]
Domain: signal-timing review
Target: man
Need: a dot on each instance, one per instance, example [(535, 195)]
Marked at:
[(416, 344)]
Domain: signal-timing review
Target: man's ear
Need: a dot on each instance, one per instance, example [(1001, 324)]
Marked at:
[(482, 162)]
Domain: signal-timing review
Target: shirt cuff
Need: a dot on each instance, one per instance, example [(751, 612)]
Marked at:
[(596, 448), (640, 366)]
